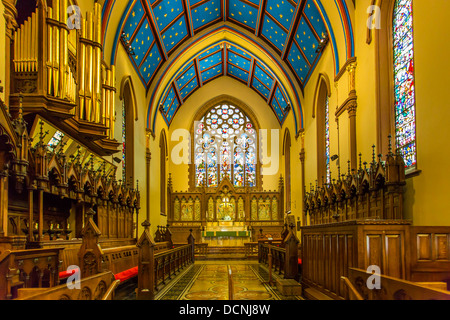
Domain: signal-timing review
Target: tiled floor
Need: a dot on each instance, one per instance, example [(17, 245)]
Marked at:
[(208, 280)]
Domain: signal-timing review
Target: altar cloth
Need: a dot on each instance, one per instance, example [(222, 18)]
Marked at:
[(243, 234)]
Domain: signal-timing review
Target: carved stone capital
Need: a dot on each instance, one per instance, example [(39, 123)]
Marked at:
[(351, 69), (302, 156), (351, 108)]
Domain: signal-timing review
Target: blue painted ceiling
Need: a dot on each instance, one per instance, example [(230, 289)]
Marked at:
[(155, 28), (224, 59)]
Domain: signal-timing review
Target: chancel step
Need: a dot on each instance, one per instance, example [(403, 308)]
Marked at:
[(225, 253)]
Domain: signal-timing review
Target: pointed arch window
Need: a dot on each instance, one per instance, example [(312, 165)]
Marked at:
[(404, 85), (327, 141), (322, 106), (225, 148), (163, 170), (127, 133), (124, 141)]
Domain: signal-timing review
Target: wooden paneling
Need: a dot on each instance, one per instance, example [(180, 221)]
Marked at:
[(430, 255), (330, 250)]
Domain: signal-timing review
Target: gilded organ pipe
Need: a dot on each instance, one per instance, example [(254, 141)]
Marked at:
[(25, 46), (72, 69)]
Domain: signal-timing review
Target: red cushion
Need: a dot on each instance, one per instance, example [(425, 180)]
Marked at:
[(127, 274), (66, 274)]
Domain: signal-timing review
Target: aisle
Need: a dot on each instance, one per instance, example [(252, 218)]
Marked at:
[(208, 280)]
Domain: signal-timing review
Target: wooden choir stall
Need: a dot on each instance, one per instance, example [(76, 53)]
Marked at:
[(357, 221)]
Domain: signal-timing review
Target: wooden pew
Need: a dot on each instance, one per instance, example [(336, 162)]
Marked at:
[(391, 288), (121, 261), (37, 268), (98, 287)]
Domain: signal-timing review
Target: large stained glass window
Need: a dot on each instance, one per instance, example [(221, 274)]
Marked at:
[(225, 148), (405, 125), (327, 140)]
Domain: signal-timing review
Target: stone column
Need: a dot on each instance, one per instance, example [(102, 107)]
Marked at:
[(351, 109), (147, 161)]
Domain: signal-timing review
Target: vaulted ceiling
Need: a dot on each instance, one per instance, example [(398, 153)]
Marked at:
[(218, 60), (154, 29)]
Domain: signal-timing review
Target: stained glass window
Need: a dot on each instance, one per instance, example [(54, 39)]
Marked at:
[(225, 148), (404, 85), (124, 135), (55, 140), (327, 140)]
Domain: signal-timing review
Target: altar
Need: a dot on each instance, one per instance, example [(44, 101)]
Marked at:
[(226, 234)]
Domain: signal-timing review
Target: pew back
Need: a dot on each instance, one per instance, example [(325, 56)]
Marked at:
[(393, 288), (37, 268), (91, 288)]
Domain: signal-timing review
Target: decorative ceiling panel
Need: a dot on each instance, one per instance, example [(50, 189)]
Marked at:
[(210, 64), (294, 30), (243, 13), (206, 13)]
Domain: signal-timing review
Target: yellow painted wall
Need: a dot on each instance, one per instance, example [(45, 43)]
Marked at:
[(427, 193)]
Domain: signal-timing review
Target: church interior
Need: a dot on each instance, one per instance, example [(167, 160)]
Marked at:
[(224, 150)]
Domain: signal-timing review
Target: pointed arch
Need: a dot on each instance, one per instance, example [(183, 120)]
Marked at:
[(321, 113), (287, 167), (127, 88), (386, 86), (129, 116), (323, 82)]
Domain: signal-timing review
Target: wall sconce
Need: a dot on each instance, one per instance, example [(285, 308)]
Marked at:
[(126, 44), (322, 44)]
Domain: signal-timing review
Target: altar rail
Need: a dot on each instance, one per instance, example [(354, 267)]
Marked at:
[(171, 262), (277, 262), (282, 259), (154, 269), (251, 249)]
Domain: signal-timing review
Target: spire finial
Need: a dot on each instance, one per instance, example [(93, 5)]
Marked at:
[(146, 225), (390, 145)]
